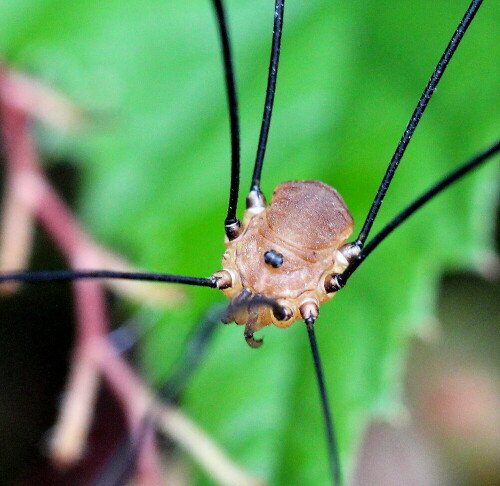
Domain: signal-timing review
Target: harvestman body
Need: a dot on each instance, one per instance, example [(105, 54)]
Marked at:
[(287, 252)]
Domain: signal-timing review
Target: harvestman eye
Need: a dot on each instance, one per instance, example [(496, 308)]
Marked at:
[(273, 258), (302, 233)]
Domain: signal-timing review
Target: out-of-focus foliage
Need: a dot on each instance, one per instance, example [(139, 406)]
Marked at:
[(155, 162)]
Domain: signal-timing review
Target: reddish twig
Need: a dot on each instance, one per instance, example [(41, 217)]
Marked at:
[(30, 197)]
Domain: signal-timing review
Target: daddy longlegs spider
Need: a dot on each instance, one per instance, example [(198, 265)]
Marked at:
[(280, 368)]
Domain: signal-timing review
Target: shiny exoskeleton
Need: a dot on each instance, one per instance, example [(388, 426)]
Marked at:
[(284, 254)]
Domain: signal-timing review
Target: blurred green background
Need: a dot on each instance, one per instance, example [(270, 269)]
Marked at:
[(153, 177)]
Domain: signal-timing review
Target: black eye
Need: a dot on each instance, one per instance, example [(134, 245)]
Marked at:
[(273, 258)]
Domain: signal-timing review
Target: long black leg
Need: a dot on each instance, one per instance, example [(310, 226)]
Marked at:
[(271, 88), (231, 223), (195, 350), (119, 468), (68, 275), (121, 465), (438, 188), (333, 452), (415, 118)]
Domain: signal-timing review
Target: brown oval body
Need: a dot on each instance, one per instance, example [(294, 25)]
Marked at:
[(304, 225), (309, 214)]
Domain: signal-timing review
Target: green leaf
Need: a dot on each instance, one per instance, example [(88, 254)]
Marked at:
[(155, 176)]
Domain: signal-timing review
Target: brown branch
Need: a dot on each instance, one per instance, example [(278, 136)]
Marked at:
[(38, 101), (140, 401), (30, 196)]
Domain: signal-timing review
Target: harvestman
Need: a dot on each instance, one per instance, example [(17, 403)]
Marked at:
[(285, 259)]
